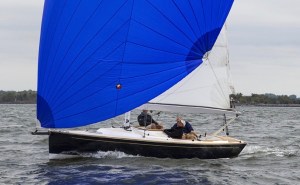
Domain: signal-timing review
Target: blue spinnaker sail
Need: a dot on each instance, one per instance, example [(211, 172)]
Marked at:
[(101, 58)]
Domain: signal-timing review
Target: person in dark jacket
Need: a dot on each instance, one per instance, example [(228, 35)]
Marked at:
[(146, 119), (176, 131), (188, 131)]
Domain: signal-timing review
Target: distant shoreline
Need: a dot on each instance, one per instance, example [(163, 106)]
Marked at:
[(269, 105), (258, 100), (238, 105), (14, 103)]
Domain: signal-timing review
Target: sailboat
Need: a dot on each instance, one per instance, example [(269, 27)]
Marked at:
[(100, 59)]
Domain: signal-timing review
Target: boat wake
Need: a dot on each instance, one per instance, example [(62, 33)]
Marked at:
[(260, 151), (108, 155), (98, 155)]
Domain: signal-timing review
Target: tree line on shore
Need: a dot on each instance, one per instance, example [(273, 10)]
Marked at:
[(29, 97), (18, 97), (265, 99)]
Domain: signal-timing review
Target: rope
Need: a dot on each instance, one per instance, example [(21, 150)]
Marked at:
[(223, 127)]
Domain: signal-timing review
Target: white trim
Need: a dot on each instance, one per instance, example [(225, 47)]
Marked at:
[(185, 109)]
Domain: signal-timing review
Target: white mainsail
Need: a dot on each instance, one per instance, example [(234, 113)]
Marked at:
[(204, 90)]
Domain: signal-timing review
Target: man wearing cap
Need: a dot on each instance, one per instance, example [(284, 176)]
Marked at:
[(188, 131)]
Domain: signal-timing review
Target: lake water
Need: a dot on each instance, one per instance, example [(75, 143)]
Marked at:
[(272, 155)]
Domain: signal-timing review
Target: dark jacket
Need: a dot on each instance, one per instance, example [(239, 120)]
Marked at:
[(145, 118), (187, 128), (174, 132)]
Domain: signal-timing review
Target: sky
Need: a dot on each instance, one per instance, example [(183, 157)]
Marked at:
[(264, 45)]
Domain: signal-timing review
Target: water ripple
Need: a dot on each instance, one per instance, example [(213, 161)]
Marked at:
[(271, 157)]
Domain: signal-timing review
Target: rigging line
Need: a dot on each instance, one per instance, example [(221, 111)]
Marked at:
[(119, 99), (51, 44), (156, 49), (70, 46), (172, 40), (226, 41), (123, 55), (223, 127), (231, 81), (86, 45), (91, 94), (219, 84), (232, 90), (186, 105), (188, 77), (83, 62), (170, 21)]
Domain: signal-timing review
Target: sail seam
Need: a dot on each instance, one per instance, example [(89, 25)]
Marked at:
[(170, 21), (69, 47), (156, 48), (51, 67), (84, 98), (204, 23), (191, 7), (96, 91), (110, 101), (187, 23), (96, 51), (163, 35), (72, 95), (106, 86), (124, 50), (56, 94), (67, 51)]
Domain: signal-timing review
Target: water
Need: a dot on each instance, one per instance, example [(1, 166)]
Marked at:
[(272, 155)]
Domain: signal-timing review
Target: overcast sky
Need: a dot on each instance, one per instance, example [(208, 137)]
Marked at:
[(264, 45)]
